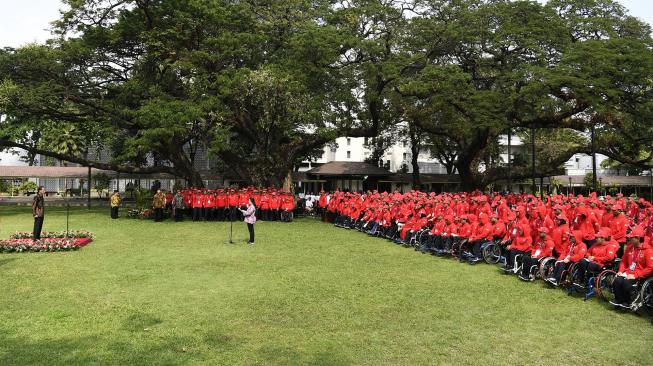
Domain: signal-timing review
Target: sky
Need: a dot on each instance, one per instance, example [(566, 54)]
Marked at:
[(27, 21)]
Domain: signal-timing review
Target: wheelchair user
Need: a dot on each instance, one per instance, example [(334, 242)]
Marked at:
[(598, 256), (520, 245), (574, 252), (542, 248), (636, 265)]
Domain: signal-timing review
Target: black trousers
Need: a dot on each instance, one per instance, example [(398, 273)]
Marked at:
[(510, 261), (528, 262), (197, 213), (179, 214), (114, 212), (559, 267), (38, 225), (158, 214), (623, 290), (585, 266), (476, 248), (250, 228)]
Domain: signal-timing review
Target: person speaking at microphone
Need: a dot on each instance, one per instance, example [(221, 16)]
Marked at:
[(250, 218)]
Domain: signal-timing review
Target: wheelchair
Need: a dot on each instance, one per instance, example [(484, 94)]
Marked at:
[(517, 265), (643, 298), (493, 253), (593, 283), (543, 268), (421, 240), (457, 247)]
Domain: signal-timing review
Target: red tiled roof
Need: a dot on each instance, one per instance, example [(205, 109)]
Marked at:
[(335, 168)]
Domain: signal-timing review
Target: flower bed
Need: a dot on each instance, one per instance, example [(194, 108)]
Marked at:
[(73, 234), (140, 214), (43, 245)]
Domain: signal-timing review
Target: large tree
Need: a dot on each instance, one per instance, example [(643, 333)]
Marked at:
[(262, 84), (493, 65)]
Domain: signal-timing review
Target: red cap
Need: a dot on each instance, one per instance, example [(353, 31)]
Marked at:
[(637, 232), (604, 232), (543, 229)]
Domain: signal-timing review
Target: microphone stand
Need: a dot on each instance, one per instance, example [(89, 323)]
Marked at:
[(67, 215), (231, 225)]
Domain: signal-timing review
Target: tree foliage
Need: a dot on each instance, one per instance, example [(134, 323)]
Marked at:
[(265, 84)]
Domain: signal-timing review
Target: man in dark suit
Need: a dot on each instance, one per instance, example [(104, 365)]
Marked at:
[(38, 211)]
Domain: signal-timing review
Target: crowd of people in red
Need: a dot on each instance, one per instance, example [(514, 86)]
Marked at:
[(223, 204), (576, 241)]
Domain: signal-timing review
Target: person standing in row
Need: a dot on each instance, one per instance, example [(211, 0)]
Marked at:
[(38, 211), (115, 203), (250, 219), (159, 203), (178, 205)]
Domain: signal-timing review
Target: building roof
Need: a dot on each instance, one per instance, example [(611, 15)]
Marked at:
[(65, 172), (608, 180), (47, 171), (424, 178), (342, 168)]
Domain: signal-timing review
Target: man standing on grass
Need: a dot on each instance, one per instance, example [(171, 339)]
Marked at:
[(38, 211), (159, 202), (115, 204)]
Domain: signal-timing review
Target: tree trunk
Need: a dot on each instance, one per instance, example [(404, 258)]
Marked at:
[(414, 150)]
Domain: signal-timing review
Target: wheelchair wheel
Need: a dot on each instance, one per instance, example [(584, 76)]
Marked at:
[(604, 284), (567, 276), (456, 249), (646, 293), (546, 267), (492, 253)]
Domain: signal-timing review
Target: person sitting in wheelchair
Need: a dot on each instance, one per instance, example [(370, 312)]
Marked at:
[(560, 234), (520, 245), (574, 252), (542, 248), (482, 234), (599, 255), (636, 265)]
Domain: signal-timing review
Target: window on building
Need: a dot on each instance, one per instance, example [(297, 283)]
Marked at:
[(366, 141), (348, 141), (403, 143), (348, 154), (405, 156)]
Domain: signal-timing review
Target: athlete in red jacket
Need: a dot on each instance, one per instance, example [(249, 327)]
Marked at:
[(601, 253), (541, 248), (520, 245), (636, 265), (573, 253)]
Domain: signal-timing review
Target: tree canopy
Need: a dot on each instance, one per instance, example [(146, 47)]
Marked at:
[(265, 84)]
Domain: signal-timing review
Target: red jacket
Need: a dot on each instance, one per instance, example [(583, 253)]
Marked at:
[(637, 261), (575, 251), (542, 248), (602, 253), (522, 240), (618, 226), (560, 237)]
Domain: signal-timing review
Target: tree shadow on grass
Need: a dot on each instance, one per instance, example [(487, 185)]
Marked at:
[(5, 261), (95, 350)]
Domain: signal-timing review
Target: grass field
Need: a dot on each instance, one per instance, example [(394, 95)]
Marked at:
[(308, 293)]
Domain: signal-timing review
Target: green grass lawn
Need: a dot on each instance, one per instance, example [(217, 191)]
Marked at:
[(308, 293)]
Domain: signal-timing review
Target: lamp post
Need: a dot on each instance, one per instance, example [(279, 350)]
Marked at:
[(601, 184), (593, 161), (569, 190), (533, 159), (509, 157)]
